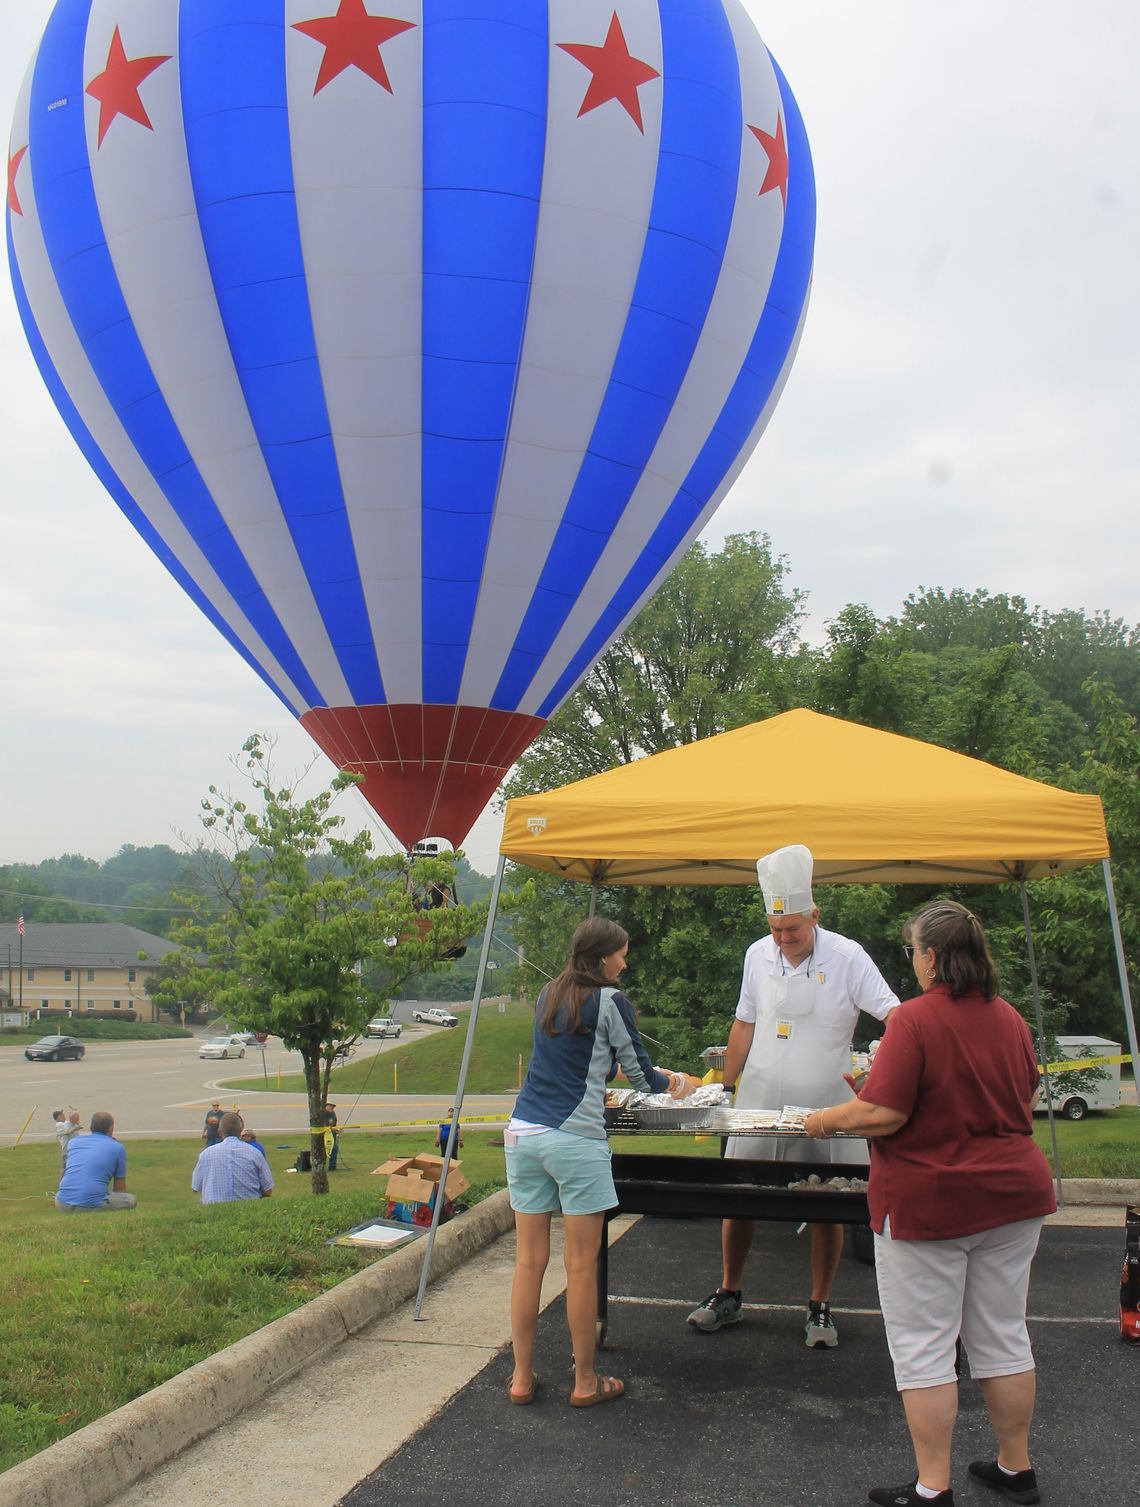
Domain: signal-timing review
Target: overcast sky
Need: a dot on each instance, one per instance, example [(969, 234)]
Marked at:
[(963, 410)]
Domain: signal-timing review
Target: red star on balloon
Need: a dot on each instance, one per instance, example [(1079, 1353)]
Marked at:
[(776, 147), (617, 75), (352, 39), (13, 169), (117, 87)]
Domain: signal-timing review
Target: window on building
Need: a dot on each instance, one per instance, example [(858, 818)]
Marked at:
[(90, 975), (117, 1004), (91, 1004), (45, 1004), (130, 975), (67, 975), (31, 975)]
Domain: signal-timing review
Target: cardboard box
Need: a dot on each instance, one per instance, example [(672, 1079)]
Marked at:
[(414, 1179)]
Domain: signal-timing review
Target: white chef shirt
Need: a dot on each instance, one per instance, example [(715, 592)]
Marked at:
[(850, 981)]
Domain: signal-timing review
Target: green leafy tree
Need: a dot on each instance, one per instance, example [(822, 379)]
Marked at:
[(715, 648), (1071, 911), (289, 912)]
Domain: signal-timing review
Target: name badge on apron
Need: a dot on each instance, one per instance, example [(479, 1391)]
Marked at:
[(783, 1030)]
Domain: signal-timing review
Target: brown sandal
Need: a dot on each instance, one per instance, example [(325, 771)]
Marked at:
[(523, 1399), (609, 1389)]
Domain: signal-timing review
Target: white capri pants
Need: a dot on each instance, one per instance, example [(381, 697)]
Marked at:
[(976, 1286)]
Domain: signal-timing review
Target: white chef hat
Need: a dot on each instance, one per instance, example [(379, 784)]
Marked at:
[(785, 878)]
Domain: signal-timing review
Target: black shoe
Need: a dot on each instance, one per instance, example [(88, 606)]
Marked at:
[(1020, 1487), (718, 1309), (907, 1496)]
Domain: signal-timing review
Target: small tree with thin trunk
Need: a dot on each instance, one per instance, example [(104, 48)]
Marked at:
[(288, 912)]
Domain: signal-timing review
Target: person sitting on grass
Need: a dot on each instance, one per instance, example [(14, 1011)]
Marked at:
[(95, 1176), (250, 1139), (231, 1170)]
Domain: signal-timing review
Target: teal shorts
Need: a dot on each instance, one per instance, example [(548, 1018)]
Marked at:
[(552, 1169)]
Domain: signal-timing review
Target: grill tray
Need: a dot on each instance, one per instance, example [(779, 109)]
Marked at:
[(681, 1121)]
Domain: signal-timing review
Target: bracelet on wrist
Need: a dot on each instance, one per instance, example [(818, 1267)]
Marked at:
[(823, 1125)]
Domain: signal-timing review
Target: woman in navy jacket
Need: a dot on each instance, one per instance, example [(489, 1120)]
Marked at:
[(556, 1148)]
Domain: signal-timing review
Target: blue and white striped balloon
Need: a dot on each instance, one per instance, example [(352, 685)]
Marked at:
[(419, 338)]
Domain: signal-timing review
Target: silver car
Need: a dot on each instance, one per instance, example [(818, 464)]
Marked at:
[(222, 1046)]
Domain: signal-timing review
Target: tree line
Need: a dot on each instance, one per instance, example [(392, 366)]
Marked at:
[(1052, 695)]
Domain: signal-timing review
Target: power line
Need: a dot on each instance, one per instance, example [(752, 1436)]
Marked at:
[(93, 904)]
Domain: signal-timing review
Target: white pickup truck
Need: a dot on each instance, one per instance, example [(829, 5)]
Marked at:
[(435, 1018)]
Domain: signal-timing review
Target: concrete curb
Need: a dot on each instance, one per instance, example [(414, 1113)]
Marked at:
[(1101, 1190), (95, 1464)]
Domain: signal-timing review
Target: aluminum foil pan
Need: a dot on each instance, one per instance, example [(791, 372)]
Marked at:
[(678, 1118)]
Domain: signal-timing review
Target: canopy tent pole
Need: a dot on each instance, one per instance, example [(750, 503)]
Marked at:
[(1121, 968), (1041, 1047), (593, 899), (480, 975)]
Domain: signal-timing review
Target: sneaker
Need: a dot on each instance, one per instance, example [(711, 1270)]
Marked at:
[(907, 1496), (820, 1332), (1019, 1487), (718, 1309)]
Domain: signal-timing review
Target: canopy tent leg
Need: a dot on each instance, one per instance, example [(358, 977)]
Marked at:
[(1121, 968), (593, 899), (460, 1087), (1041, 1047)]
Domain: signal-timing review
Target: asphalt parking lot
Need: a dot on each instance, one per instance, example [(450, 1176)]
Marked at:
[(749, 1417)]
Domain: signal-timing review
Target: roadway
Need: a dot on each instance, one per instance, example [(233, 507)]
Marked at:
[(163, 1088)]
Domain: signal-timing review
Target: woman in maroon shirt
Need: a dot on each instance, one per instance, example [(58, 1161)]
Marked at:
[(958, 1193)]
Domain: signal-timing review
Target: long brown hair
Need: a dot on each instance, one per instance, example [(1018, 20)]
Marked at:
[(560, 1005), (961, 953)]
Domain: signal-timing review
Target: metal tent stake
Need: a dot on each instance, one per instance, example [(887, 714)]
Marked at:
[(1041, 1044), (480, 975), (1121, 968)]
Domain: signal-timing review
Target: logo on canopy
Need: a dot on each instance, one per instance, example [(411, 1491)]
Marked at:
[(536, 825)]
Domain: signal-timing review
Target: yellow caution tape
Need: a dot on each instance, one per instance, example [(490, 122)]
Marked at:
[(1075, 1064), (406, 1124)]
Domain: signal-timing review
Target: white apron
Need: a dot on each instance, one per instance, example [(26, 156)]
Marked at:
[(800, 1050)]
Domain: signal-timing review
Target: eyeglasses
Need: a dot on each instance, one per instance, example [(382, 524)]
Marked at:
[(908, 953)]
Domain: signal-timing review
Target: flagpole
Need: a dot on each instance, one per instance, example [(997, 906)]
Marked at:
[(20, 929)]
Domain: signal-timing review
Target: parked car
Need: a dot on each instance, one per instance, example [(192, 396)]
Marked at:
[(384, 1025), (247, 1038), (54, 1049), (222, 1046), (435, 1017)]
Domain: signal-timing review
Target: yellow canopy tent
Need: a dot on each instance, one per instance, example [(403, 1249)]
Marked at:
[(873, 807)]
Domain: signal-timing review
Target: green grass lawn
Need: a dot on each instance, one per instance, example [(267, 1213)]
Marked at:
[(430, 1064), (142, 1295), (145, 1294), (92, 1030)]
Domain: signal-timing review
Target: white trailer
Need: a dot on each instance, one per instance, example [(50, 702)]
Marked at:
[(1104, 1093)]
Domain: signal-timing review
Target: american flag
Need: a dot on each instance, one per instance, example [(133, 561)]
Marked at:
[(20, 924)]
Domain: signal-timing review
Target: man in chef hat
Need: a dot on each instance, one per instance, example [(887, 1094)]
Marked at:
[(790, 1044)]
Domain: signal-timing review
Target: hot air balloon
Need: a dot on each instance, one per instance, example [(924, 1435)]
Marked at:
[(418, 338)]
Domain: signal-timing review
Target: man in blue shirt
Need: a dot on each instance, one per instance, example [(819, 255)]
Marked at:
[(96, 1173), (251, 1140), (231, 1170), (449, 1130)]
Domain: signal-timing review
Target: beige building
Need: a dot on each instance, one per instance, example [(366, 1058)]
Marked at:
[(68, 969)]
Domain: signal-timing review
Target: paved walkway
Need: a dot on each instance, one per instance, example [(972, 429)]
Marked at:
[(415, 1412)]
